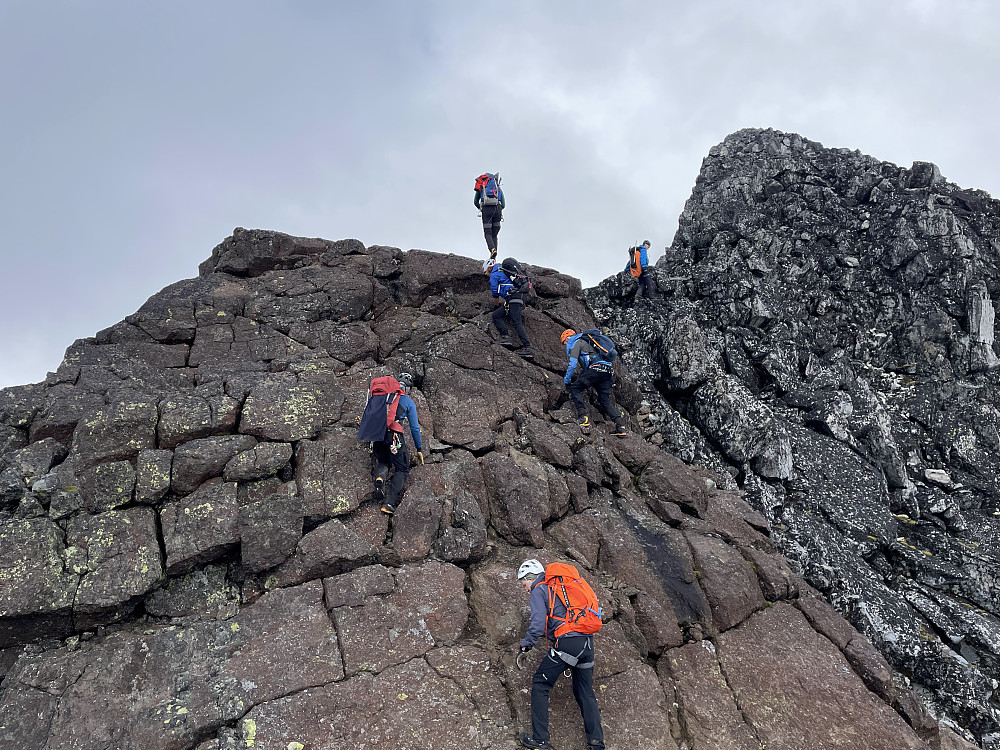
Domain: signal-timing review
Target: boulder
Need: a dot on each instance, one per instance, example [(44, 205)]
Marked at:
[(290, 411), (199, 460), (37, 587), (327, 550), (118, 429), (117, 556), (200, 528), (269, 530)]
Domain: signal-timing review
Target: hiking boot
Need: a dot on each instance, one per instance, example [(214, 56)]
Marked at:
[(379, 489), (506, 341), (584, 423), (620, 431), (387, 509), (532, 744), (493, 254), (526, 353)]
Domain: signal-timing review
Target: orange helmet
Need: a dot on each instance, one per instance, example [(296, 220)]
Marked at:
[(566, 334)]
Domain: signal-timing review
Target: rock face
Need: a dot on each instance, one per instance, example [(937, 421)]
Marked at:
[(190, 558), (825, 343)]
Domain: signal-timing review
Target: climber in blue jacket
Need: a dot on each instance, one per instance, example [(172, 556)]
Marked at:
[(638, 266), (512, 308), (595, 372)]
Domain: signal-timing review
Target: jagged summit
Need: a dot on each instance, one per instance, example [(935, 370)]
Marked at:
[(826, 339)]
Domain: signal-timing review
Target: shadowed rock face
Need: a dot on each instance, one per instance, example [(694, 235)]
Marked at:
[(190, 558), (825, 343)]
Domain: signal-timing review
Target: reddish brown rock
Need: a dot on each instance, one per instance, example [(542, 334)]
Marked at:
[(428, 604), (37, 588), (290, 411), (798, 691), (327, 550), (667, 480), (406, 706), (519, 503), (777, 581), (199, 460), (117, 430), (707, 711), (728, 580)]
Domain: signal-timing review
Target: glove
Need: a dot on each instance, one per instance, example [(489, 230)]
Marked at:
[(420, 457), (357, 420), (522, 657)]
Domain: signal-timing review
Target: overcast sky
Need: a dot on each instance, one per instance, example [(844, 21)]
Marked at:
[(135, 135)]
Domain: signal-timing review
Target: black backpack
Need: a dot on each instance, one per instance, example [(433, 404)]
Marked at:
[(517, 275), (604, 348)]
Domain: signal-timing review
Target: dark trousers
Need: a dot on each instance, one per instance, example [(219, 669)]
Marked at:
[(647, 285), (397, 463), (601, 383), (583, 690), (492, 216), (514, 311)]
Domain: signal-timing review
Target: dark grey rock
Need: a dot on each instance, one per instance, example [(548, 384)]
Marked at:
[(850, 302), (152, 475), (263, 460), (37, 582), (107, 486), (198, 460), (117, 556), (205, 592), (200, 528), (269, 530)]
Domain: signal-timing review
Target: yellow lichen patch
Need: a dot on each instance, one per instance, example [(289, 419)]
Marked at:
[(249, 732), (339, 504), (402, 696)]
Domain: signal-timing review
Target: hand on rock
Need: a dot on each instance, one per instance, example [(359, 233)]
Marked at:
[(420, 457)]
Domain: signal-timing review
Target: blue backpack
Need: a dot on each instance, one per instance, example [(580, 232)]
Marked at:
[(604, 348), (488, 186)]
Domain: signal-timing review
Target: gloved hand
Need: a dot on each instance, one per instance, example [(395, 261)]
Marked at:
[(357, 420), (420, 457)]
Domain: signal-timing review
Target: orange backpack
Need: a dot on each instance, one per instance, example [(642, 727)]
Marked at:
[(583, 611), (634, 264)]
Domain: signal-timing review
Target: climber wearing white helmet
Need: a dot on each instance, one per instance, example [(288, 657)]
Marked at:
[(571, 652)]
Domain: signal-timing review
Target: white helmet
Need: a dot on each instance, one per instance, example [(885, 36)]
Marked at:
[(529, 568)]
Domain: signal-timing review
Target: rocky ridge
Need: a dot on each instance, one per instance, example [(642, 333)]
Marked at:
[(825, 343), (189, 558)]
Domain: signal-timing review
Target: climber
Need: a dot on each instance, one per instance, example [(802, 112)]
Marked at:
[(388, 404), (638, 267), (509, 284), (596, 353), (491, 203), (571, 651)]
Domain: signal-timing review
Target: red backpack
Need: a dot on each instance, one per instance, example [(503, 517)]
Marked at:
[(383, 399), (583, 611)]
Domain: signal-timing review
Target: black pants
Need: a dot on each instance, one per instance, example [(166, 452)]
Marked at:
[(601, 383), (398, 463), (514, 311), (492, 216), (583, 690), (647, 285)]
